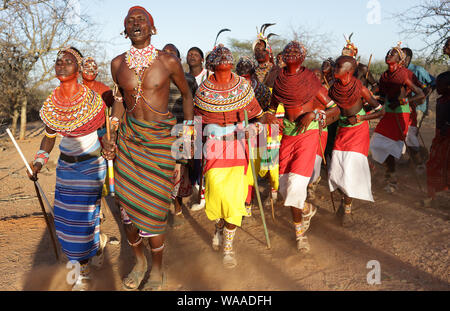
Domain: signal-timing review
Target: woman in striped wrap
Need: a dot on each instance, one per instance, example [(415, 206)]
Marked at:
[(75, 112)]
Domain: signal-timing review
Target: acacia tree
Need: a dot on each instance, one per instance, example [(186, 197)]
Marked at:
[(31, 33), (430, 21)]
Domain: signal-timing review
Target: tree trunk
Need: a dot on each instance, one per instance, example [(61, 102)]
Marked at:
[(23, 118), (15, 117)]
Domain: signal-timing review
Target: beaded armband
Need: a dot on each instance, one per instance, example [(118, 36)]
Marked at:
[(331, 104), (41, 157), (50, 135)]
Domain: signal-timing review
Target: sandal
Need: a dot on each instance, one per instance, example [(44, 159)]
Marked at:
[(82, 283), (303, 244), (306, 219), (155, 283), (136, 277), (217, 239), (97, 259), (229, 261)]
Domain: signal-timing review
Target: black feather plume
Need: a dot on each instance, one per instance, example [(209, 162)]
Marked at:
[(222, 30), (271, 35), (265, 26)]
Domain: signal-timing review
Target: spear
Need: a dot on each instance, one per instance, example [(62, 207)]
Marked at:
[(39, 191), (255, 179)]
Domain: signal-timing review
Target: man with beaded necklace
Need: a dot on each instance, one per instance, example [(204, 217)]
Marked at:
[(144, 164)]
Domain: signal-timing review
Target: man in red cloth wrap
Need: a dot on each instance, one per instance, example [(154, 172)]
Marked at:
[(349, 169), (305, 101), (221, 101), (144, 165), (387, 143), (438, 165)]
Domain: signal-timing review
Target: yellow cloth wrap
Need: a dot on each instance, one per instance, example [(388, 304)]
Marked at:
[(225, 199)]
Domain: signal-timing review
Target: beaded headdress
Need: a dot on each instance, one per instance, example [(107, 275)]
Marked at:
[(400, 52), (350, 46), (89, 64), (294, 50), (261, 37), (76, 54)]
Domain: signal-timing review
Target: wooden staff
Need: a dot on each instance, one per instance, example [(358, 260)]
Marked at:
[(38, 189), (326, 82), (368, 66), (110, 162), (255, 179)]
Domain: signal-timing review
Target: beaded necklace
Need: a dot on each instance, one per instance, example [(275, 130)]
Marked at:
[(139, 60)]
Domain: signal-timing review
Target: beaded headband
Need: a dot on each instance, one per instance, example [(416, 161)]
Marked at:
[(400, 52), (77, 55)]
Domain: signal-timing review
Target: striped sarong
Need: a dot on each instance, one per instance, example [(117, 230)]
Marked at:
[(143, 172), (77, 202)]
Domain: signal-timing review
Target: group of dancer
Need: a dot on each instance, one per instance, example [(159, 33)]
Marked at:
[(289, 105)]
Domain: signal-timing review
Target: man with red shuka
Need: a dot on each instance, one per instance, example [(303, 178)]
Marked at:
[(266, 71), (387, 143), (349, 169), (90, 72), (145, 164), (304, 100), (221, 100)]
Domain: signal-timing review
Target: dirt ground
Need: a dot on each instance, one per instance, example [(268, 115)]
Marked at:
[(409, 241)]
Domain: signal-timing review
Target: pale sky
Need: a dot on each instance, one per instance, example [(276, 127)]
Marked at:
[(196, 23)]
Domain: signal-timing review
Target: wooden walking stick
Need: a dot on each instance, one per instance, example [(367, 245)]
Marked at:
[(255, 179), (110, 162), (368, 67), (39, 191)]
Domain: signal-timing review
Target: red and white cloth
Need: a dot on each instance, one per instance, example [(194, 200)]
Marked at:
[(349, 168)]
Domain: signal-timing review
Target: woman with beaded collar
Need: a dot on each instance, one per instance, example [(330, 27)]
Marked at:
[(75, 112)]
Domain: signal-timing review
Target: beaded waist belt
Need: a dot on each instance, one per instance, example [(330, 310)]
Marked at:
[(84, 157)]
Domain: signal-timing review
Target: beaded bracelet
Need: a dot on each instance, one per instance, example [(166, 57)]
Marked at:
[(41, 157), (403, 101), (114, 121), (271, 110)]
